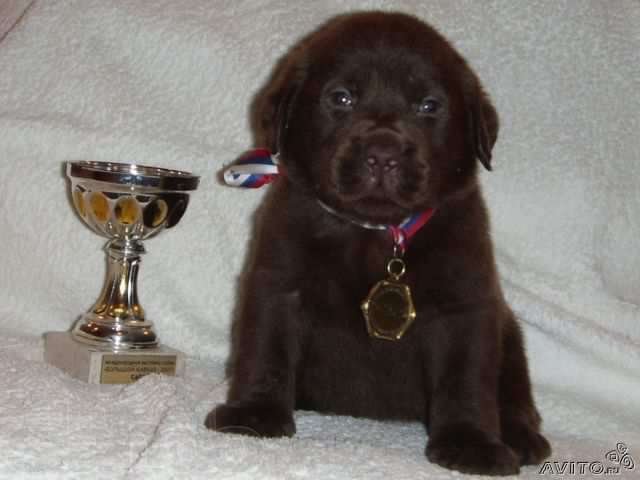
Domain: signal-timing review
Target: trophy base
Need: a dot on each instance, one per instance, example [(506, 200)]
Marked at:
[(92, 365)]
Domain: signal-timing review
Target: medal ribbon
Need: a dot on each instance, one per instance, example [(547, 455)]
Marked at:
[(259, 167), (408, 228), (253, 169)]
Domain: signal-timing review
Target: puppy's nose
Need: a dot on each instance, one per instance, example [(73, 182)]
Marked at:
[(383, 156)]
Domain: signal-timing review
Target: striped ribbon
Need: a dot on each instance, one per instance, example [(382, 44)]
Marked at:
[(253, 170), (403, 232), (259, 167)]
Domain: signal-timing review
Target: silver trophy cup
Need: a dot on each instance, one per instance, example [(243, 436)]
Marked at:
[(126, 204)]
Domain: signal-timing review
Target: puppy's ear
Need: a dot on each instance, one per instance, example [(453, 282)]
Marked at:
[(483, 126), (271, 107)]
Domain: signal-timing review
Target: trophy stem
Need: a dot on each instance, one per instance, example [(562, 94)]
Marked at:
[(117, 320)]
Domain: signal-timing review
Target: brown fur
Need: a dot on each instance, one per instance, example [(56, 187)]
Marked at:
[(300, 339)]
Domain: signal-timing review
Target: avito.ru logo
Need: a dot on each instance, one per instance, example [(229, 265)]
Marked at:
[(619, 457)]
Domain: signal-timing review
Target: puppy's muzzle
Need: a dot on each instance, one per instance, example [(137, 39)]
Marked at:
[(384, 152)]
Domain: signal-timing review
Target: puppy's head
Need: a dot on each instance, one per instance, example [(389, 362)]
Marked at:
[(376, 115)]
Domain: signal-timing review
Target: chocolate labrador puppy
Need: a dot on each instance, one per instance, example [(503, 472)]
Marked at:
[(378, 119)]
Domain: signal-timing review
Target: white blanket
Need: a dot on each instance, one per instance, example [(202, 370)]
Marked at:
[(168, 83)]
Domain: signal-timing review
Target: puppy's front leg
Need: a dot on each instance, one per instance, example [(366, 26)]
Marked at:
[(464, 425), (266, 350)]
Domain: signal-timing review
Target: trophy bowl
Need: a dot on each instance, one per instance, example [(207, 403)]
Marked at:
[(127, 204)]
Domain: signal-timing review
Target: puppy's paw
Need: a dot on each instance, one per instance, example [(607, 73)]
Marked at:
[(252, 418), (528, 443), (469, 450)]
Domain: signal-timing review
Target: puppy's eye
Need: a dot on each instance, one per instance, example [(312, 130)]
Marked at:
[(428, 107), (342, 99)]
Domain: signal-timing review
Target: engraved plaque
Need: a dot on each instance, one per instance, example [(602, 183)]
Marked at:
[(129, 368), (99, 366)]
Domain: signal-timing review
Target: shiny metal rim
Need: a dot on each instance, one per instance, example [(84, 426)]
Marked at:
[(131, 174)]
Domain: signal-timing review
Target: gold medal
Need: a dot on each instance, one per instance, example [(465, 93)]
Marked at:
[(388, 309)]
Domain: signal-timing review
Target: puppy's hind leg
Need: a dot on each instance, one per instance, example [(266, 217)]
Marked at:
[(266, 351), (520, 421)]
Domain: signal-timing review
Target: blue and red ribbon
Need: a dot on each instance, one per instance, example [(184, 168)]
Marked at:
[(253, 170), (403, 232)]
